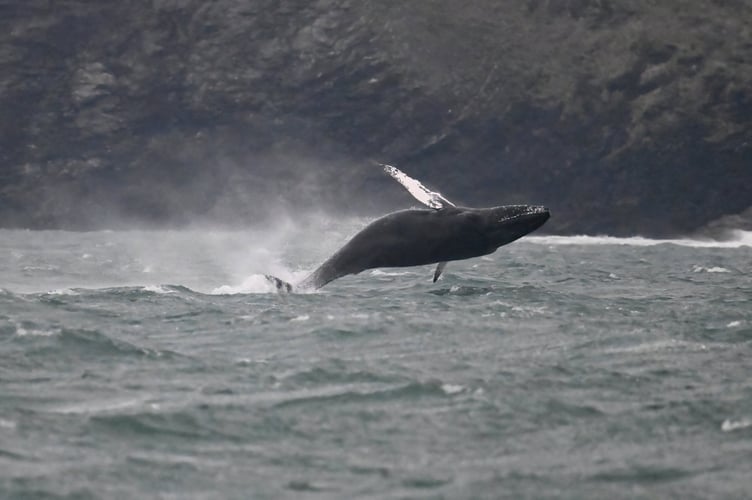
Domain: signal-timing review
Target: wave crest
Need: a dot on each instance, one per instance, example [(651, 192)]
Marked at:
[(738, 239)]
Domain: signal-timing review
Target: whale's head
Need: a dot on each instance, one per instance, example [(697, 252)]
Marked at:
[(502, 225)]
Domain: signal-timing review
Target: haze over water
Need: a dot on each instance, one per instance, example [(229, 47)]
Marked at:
[(147, 364)]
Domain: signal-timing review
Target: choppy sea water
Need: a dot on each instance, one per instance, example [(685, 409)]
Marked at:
[(157, 364)]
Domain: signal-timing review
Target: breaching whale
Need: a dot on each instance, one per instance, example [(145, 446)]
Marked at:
[(414, 237)]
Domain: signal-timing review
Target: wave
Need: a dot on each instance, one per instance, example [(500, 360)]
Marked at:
[(738, 239), (256, 283), (158, 289), (363, 393), (129, 291)]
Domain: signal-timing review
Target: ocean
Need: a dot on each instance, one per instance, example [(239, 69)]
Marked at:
[(160, 364)]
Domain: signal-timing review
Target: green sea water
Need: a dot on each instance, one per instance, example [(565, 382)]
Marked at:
[(160, 364)]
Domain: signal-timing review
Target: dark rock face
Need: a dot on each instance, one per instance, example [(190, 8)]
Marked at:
[(622, 119)]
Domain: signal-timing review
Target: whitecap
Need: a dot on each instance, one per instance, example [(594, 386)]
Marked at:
[(7, 424), (733, 324), (302, 317), (658, 346), (450, 389), (63, 291), (379, 272), (531, 310), (34, 332), (157, 289), (738, 239), (718, 270), (249, 361), (99, 406), (729, 425), (40, 268), (715, 269)]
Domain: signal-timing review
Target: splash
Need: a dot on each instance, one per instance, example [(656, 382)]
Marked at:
[(258, 283), (204, 260)]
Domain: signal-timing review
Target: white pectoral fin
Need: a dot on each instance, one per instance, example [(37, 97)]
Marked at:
[(439, 270), (419, 191)]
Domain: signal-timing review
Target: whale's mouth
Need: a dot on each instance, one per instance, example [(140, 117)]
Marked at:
[(541, 214)]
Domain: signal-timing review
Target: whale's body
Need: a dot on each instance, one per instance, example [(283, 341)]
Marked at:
[(425, 236), (417, 237)]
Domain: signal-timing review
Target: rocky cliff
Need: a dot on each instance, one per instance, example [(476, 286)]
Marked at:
[(623, 117)]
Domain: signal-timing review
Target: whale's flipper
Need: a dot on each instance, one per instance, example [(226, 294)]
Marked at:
[(439, 270), (419, 191), (282, 286), (424, 195)]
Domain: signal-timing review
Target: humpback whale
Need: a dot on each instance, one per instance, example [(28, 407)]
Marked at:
[(438, 234)]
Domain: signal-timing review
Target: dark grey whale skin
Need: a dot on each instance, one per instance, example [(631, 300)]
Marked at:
[(423, 236)]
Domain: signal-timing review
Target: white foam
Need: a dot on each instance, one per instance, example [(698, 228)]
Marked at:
[(379, 272), (62, 291), (450, 389), (733, 324), (302, 317), (738, 239), (157, 289), (249, 361), (89, 407), (256, 283), (729, 425), (34, 332), (658, 346), (7, 424), (717, 270)]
